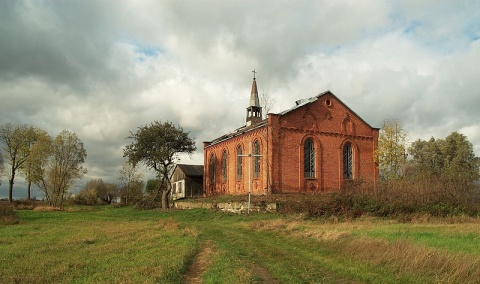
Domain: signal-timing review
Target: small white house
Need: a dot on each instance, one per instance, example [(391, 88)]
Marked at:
[(187, 181)]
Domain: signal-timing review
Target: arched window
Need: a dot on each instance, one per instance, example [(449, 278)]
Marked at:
[(212, 169), (239, 162), (309, 158), (347, 161), (256, 159), (224, 166)]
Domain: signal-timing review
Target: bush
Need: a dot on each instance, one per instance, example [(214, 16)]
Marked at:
[(7, 214), (24, 204), (399, 199), (147, 203)]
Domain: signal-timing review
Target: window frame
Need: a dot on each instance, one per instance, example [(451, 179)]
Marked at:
[(224, 165), (309, 158), (239, 162), (347, 156), (256, 159), (212, 169)]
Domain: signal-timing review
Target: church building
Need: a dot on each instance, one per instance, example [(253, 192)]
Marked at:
[(315, 146)]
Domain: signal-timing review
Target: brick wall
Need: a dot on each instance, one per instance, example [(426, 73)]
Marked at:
[(326, 121), (232, 184)]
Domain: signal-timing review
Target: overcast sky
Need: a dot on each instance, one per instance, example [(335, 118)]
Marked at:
[(103, 68)]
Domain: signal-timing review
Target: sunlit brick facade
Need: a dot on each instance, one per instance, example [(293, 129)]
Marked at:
[(313, 147)]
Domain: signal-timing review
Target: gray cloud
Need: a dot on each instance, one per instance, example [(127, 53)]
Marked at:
[(104, 68)]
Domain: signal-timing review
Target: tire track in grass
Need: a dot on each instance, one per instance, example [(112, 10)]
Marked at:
[(262, 275), (200, 264)]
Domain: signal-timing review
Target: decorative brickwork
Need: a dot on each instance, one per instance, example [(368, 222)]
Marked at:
[(341, 147)]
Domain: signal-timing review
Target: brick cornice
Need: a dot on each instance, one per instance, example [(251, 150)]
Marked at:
[(326, 133)]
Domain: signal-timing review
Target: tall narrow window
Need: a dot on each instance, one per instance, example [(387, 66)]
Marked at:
[(224, 166), (239, 162), (347, 161), (309, 158), (256, 159), (212, 169)]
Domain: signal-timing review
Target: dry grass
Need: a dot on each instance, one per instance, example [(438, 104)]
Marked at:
[(172, 225), (47, 208), (7, 214), (402, 256), (405, 256)]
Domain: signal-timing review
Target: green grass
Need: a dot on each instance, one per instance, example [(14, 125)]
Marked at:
[(123, 245), (464, 238), (115, 245)]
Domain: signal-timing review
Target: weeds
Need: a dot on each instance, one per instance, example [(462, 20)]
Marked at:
[(401, 200), (7, 214)]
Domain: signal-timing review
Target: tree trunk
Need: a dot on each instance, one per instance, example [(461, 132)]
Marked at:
[(11, 182), (158, 191), (10, 190), (29, 190), (165, 204)]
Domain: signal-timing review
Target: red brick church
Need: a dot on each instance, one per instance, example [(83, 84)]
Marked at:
[(315, 146)]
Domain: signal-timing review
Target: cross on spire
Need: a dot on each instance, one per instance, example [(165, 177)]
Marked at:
[(254, 72)]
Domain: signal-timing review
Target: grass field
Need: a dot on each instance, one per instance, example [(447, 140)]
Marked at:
[(123, 245)]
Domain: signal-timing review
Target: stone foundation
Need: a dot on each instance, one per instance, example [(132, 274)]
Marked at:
[(234, 207)]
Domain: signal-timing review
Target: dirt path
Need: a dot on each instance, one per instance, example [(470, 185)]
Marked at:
[(200, 264), (203, 260)]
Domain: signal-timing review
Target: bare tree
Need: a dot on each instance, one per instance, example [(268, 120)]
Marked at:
[(268, 103), (131, 183), (2, 168)]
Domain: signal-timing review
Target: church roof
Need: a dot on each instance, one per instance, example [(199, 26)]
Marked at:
[(298, 104), (254, 101), (239, 131), (303, 102)]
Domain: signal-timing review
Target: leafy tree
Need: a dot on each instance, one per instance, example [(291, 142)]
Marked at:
[(451, 159), (87, 196), (152, 187), (57, 164), (392, 149), (460, 162), (131, 183), (157, 146), (17, 140), (426, 159), (96, 190), (109, 192), (27, 166)]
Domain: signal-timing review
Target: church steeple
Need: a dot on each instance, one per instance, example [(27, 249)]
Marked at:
[(254, 110)]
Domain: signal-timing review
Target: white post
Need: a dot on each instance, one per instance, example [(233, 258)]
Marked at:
[(250, 155)]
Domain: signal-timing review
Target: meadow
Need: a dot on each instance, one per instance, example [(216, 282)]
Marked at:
[(123, 245)]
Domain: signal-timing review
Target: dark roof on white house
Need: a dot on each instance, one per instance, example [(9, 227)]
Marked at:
[(191, 170)]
